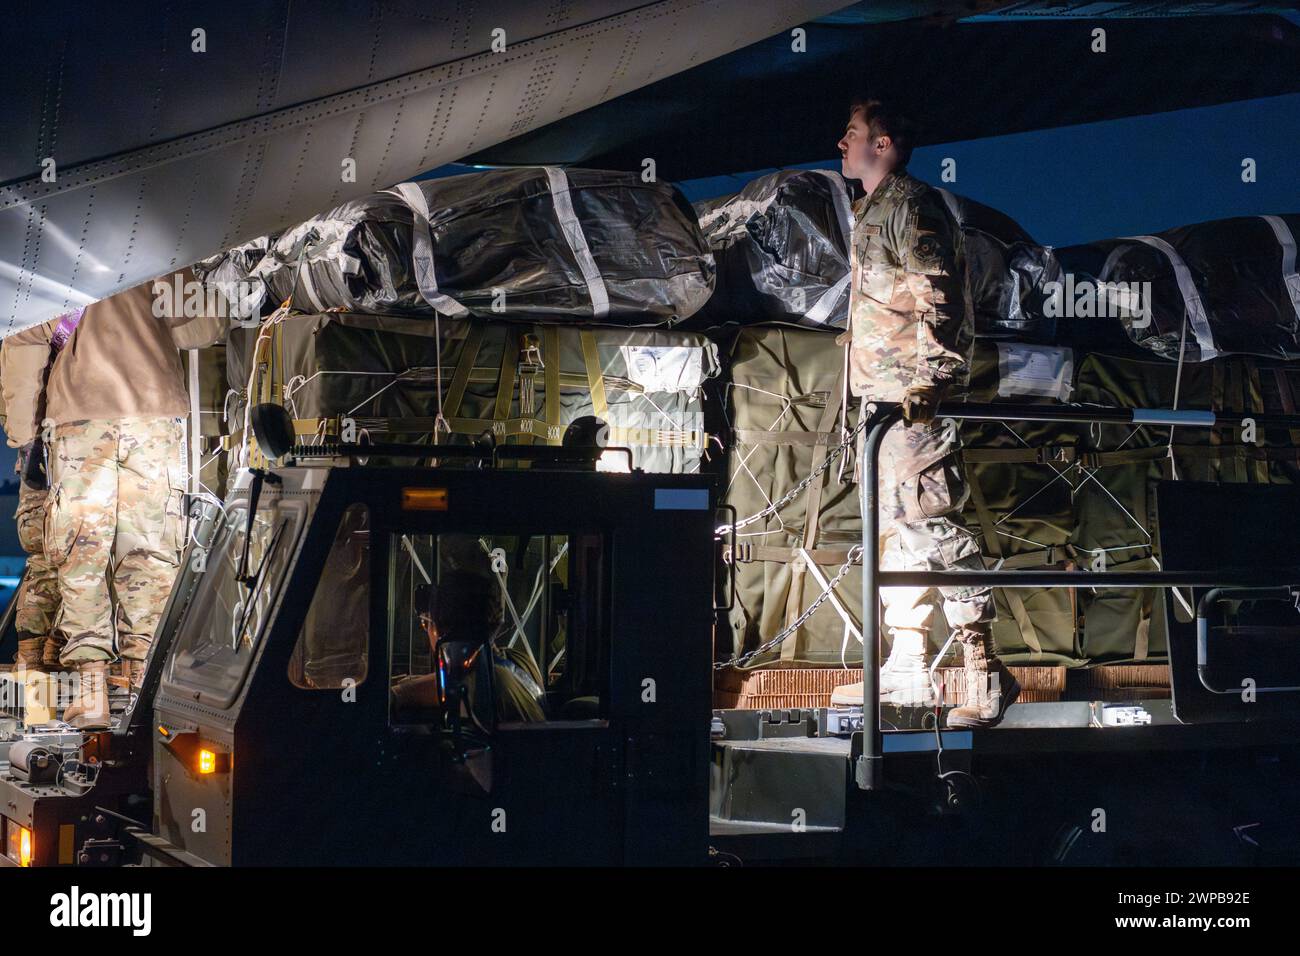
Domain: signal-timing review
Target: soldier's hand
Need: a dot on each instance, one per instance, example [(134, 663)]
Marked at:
[(844, 338), (919, 406), (32, 466)]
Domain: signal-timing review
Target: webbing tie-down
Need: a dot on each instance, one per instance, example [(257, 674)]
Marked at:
[(820, 312), (812, 514), (577, 240), (595, 377), (1028, 632), (1194, 308), (422, 251), (1287, 241)]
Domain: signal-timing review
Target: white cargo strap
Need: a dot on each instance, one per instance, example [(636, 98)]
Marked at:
[(1287, 241), (422, 251), (820, 312), (1194, 309), (577, 240), (850, 625), (303, 284), (950, 201)]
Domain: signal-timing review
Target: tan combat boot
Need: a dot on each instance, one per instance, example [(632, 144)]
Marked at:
[(990, 688), (31, 654), (904, 678), (127, 674), (90, 710), (119, 673), (136, 674), (50, 654)]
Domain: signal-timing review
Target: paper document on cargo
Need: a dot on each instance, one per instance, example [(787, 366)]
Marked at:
[(663, 368), (1034, 370)]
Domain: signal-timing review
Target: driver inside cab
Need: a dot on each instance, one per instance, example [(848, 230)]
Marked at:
[(466, 607)]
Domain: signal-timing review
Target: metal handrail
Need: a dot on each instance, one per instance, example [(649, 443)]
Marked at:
[(1210, 598), (869, 767)]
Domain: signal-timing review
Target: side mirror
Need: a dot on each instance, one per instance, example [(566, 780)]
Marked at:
[(273, 429)]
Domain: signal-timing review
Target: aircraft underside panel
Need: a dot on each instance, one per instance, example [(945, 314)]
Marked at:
[(120, 165)]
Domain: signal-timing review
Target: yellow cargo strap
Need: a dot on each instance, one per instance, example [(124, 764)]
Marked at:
[(1255, 402), (551, 381), (506, 378), (812, 513), (551, 432), (1227, 396), (757, 436), (460, 377), (1039, 558), (507, 428), (746, 553), (595, 378), (1042, 455), (1287, 397), (994, 547), (1124, 456), (1146, 605), (656, 437)]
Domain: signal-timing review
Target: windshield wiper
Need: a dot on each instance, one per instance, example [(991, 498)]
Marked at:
[(254, 493), (256, 581)]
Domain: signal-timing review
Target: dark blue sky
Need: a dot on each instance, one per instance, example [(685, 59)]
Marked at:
[(1097, 180), (1120, 177)]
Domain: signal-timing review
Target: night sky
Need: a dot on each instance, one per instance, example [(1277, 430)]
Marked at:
[(1122, 177)]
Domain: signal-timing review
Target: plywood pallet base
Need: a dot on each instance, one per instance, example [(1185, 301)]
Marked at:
[(779, 688)]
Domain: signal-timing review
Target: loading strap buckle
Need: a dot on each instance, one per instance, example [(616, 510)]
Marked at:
[(743, 553)]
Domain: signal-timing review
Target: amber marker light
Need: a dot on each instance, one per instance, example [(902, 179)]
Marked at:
[(19, 839), (424, 499)]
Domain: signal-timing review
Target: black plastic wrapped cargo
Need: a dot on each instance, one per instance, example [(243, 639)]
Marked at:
[(781, 246), (535, 243), (1232, 281), (1008, 272)]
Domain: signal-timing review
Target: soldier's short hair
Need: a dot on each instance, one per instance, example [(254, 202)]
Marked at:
[(883, 119), (465, 605)]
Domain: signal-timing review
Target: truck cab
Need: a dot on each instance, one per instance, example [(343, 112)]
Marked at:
[(278, 735)]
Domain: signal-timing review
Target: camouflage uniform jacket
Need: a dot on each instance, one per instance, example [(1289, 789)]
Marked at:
[(910, 318)]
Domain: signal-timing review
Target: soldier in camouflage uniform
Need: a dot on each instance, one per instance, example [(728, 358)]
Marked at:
[(38, 602), (117, 479), (116, 518), (910, 333), (24, 362)]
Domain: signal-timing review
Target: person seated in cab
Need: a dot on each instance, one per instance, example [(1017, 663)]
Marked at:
[(466, 607)]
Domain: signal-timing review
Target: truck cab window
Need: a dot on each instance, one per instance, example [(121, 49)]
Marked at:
[(333, 645), (534, 605), (227, 617)]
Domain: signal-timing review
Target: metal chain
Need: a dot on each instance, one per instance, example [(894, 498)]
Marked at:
[(789, 496), (855, 555)]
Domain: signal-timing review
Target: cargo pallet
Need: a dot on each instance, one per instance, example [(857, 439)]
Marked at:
[(793, 777)]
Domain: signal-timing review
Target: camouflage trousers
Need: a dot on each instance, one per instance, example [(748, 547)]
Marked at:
[(115, 532), (38, 600), (922, 490)]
